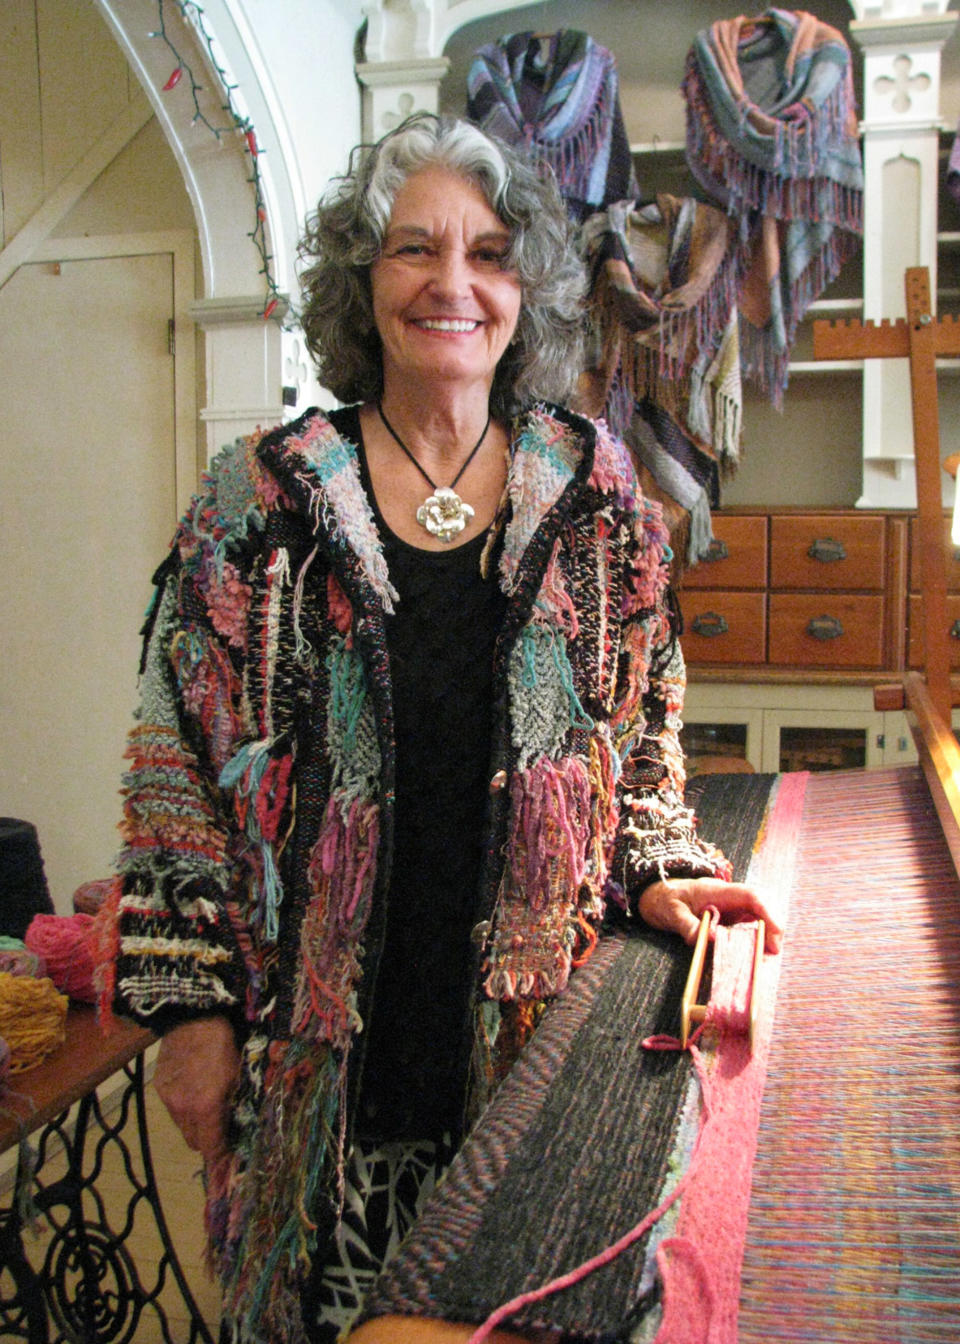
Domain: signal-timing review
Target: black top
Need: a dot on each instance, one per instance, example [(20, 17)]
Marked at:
[(441, 641)]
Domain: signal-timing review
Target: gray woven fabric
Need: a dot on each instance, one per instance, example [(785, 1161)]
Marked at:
[(534, 1191)]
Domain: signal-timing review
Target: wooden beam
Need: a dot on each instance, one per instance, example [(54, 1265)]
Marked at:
[(926, 452), (939, 759), (65, 196), (920, 339)]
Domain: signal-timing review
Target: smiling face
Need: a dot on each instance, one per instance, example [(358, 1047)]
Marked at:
[(444, 302)]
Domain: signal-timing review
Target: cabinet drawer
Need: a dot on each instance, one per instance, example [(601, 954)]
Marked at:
[(915, 622), (737, 557), (950, 551), (826, 629), (721, 627), (826, 552)]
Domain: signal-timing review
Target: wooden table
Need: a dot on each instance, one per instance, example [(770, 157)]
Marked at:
[(89, 1287)]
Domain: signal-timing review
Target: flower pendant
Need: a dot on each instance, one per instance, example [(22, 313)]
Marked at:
[(444, 514)]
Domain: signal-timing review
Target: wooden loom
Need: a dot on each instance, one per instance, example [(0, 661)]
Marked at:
[(846, 854), (921, 337)]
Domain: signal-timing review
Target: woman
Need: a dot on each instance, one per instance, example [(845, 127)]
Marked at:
[(410, 708)]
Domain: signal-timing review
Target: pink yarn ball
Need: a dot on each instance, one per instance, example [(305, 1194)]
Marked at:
[(63, 942)]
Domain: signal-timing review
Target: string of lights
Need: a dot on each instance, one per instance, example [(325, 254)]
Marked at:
[(238, 124)]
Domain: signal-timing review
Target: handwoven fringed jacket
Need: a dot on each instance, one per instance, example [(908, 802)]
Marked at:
[(259, 801)]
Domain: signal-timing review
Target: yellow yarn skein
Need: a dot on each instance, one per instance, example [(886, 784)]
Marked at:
[(33, 1019)]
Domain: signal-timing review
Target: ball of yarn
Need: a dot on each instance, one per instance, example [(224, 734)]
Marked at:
[(63, 941), (4, 1062), (33, 1019), (90, 896), (17, 958)]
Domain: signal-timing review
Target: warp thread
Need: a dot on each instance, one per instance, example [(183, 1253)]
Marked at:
[(63, 942), (33, 1017), (727, 1011)]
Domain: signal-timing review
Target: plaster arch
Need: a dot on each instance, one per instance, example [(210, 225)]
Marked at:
[(213, 169), (256, 370)]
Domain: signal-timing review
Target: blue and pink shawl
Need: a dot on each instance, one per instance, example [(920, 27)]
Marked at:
[(558, 97), (772, 136)]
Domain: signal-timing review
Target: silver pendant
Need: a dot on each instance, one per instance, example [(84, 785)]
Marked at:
[(444, 514)]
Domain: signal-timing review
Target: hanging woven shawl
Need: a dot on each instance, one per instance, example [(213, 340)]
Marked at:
[(772, 135), (558, 96), (665, 370), (664, 287)]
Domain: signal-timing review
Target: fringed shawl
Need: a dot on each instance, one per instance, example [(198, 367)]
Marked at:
[(558, 97), (665, 286), (666, 371), (772, 135)]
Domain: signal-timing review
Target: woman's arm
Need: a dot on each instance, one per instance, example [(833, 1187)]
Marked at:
[(670, 873), (175, 954)]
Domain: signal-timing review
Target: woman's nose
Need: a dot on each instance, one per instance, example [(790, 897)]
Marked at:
[(451, 274)]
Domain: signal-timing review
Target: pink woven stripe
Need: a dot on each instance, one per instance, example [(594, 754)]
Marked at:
[(700, 1264), (854, 1217)]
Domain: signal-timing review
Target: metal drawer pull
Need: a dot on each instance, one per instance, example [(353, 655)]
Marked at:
[(709, 624), (826, 549), (717, 550), (825, 627), (955, 630)]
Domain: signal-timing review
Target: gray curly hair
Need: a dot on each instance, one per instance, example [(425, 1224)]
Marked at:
[(345, 234)]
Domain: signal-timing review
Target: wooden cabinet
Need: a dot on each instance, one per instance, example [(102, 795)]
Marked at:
[(798, 589), (737, 556), (831, 552), (795, 618), (725, 627)]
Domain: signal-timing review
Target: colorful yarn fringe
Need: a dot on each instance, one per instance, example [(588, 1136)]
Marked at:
[(261, 1229), (33, 1017)]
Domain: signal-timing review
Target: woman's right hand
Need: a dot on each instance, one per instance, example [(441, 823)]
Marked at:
[(198, 1066)]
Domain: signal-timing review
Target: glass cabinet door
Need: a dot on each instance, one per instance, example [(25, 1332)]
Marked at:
[(814, 740), (721, 739)]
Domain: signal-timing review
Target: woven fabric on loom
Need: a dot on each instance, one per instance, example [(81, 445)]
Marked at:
[(854, 1230), (531, 1194)]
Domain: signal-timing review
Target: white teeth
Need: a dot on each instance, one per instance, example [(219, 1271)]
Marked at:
[(447, 324)]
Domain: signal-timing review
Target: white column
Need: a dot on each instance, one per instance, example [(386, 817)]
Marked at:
[(901, 141), (243, 361), (393, 90), (403, 62)]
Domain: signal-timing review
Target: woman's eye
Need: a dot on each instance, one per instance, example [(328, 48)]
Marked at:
[(491, 256)]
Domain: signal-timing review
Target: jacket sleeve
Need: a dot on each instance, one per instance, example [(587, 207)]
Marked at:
[(657, 833), (171, 945)]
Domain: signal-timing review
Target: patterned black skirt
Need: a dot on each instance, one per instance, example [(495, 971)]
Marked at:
[(386, 1187)]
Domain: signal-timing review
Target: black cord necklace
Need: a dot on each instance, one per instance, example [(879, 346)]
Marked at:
[(444, 514)]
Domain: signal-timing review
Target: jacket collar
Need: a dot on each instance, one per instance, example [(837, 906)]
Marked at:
[(319, 471)]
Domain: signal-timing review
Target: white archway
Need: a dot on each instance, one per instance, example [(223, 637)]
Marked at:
[(290, 68)]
